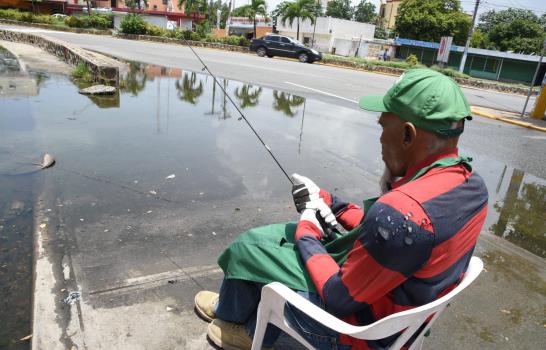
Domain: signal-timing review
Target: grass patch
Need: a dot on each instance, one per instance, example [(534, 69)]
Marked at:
[(83, 73)]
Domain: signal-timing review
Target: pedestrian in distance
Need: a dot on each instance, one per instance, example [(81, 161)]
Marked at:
[(403, 249)]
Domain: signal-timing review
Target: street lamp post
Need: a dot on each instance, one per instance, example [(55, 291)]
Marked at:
[(534, 78)]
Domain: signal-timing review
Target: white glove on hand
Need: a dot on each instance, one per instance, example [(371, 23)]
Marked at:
[(311, 216), (304, 190), (324, 210)]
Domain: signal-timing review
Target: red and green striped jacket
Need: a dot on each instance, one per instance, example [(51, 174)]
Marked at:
[(414, 245)]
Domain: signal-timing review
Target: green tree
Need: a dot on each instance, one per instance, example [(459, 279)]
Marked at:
[(365, 12), (189, 90), (134, 80), (256, 7), (491, 18), (380, 32), (513, 30), (193, 6), (430, 20), (215, 5), (297, 10), (248, 95), (339, 9), (479, 40), (284, 102)]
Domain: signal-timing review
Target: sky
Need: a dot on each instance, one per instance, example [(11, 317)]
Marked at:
[(537, 6)]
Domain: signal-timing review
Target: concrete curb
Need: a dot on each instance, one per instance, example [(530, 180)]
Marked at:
[(104, 68), (508, 120)]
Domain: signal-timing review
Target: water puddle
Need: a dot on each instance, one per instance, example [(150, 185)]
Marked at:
[(116, 154)]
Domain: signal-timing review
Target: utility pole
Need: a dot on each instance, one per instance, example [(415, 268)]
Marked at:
[(463, 59), (534, 78)]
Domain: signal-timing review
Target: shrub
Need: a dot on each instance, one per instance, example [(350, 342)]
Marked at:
[(211, 38), (187, 34), (82, 72), (11, 14), (27, 17), (133, 24), (244, 41), (450, 72), (195, 36), (174, 34), (154, 30), (99, 21), (232, 40), (73, 22), (412, 60)]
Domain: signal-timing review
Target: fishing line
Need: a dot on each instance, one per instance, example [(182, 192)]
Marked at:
[(242, 116)]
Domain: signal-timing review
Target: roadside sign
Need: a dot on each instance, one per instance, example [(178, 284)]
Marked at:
[(443, 50)]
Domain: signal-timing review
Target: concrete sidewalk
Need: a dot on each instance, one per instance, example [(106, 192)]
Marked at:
[(511, 118)]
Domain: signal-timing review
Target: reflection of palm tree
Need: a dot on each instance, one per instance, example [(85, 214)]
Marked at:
[(135, 79), (248, 95), (284, 102), (189, 91)]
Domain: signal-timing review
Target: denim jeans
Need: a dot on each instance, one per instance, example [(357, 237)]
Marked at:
[(239, 304)]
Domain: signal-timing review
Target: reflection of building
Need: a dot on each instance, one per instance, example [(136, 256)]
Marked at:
[(18, 86), (388, 9), (153, 71), (333, 35), (245, 27)]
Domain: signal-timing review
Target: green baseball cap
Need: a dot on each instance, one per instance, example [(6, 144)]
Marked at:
[(428, 99)]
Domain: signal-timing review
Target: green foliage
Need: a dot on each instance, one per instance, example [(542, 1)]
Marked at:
[(479, 39), (174, 34), (412, 60), (202, 28), (186, 34), (519, 35), (380, 33), (93, 21), (195, 36), (193, 6), (26, 17), (339, 9), (297, 10), (364, 12), (432, 19), (450, 72), (82, 72), (133, 24), (492, 18), (155, 30)]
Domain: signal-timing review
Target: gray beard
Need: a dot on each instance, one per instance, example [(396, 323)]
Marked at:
[(385, 181)]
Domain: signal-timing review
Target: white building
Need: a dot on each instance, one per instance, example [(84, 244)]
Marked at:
[(334, 35)]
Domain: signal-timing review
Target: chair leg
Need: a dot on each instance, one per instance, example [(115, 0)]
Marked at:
[(261, 326)]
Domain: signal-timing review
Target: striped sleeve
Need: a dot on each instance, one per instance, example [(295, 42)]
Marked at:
[(391, 246), (349, 215)]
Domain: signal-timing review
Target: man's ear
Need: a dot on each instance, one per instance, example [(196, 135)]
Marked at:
[(410, 134)]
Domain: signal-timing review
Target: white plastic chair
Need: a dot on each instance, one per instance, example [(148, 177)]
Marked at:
[(275, 295)]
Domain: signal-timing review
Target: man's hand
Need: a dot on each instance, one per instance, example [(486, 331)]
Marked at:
[(307, 195), (309, 225)]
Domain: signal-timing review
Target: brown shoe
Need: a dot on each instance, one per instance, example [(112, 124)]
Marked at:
[(230, 336), (205, 304)]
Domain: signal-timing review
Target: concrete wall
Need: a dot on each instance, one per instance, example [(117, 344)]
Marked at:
[(104, 69), (327, 31)]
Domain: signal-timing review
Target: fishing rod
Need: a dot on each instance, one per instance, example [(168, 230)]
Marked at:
[(327, 229), (242, 116)]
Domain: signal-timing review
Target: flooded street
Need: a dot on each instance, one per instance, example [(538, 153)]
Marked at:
[(163, 175)]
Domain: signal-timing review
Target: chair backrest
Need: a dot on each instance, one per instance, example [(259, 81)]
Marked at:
[(411, 320)]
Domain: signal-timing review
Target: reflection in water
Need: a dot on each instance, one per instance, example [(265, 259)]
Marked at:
[(189, 90), (134, 80), (248, 95), (284, 102), (522, 214)]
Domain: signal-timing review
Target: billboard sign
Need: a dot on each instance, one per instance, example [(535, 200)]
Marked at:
[(443, 50)]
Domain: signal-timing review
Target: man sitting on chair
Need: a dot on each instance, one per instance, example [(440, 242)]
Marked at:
[(411, 245)]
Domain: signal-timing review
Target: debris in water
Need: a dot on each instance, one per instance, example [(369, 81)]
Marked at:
[(70, 118), (168, 308), (26, 338), (172, 176), (48, 161), (42, 226), (82, 220), (149, 212), (98, 90), (190, 234), (237, 209), (106, 230), (136, 181), (213, 233), (153, 192), (507, 312), (72, 297), (201, 193), (171, 281)]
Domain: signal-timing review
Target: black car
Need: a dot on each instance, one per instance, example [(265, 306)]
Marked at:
[(279, 45)]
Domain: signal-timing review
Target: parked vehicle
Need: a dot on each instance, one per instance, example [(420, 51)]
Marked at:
[(280, 45)]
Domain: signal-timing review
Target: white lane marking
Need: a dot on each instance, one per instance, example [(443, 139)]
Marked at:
[(320, 91), (536, 137)]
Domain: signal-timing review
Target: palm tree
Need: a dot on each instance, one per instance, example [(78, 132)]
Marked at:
[(193, 6), (135, 79), (284, 102), (299, 9), (256, 7), (248, 95), (189, 91)]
